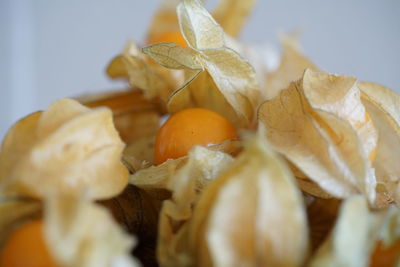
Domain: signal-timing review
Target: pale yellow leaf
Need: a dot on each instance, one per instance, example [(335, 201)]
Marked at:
[(356, 233), (252, 215), (295, 134), (291, 68), (235, 78), (172, 56), (198, 27), (82, 233), (68, 148)]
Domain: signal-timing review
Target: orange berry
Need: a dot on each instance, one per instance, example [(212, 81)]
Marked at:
[(385, 256), (26, 248), (173, 36), (190, 127)]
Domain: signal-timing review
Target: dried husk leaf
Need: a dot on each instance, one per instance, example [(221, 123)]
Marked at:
[(327, 133), (139, 154), (81, 233), (292, 66), (68, 148), (231, 74), (201, 91), (292, 132), (310, 187), (235, 78), (154, 80), (340, 96), (251, 215), (356, 231), (383, 105), (117, 67), (202, 166), (173, 56), (157, 177), (232, 14), (198, 27)]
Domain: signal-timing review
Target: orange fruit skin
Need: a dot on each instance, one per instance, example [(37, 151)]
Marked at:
[(174, 36), (26, 247), (190, 127), (385, 256)]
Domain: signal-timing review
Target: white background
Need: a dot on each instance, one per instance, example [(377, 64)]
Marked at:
[(55, 48)]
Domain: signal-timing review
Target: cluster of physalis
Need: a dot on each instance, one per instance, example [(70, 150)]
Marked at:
[(254, 167)]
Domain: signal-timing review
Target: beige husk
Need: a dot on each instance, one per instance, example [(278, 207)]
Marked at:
[(320, 125), (355, 234), (251, 215), (292, 66), (155, 81), (383, 105), (81, 233), (230, 74), (185, 178), (68, 148)]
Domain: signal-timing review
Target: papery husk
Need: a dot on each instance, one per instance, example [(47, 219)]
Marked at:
[(67, 148), (294, 134), (231, 74), (319, 132), (14, 212), (155, 81), (203, 166), (291, 68), (251, 215), (310, 187), (81, 233), (383, 105), (355, 234)]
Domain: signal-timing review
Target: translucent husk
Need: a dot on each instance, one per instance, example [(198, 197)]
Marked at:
[(251, 215), (383, 105), (185, 178), (320, 124), (356, 233), (227, 71), (68, 148), (155, 81), (292, 66), (76, 231), (82, 233)]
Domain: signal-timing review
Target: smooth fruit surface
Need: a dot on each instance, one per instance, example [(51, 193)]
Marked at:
[(190, 127), (26, 247), (169, 37)]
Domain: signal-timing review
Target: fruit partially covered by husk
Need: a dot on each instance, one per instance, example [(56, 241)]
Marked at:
[(68, 148), (226, 82), (82, 233), (357, 232), (185, 178), (251, 215), (75, 232)]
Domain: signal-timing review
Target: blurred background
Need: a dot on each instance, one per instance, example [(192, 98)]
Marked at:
[(55, 48)]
